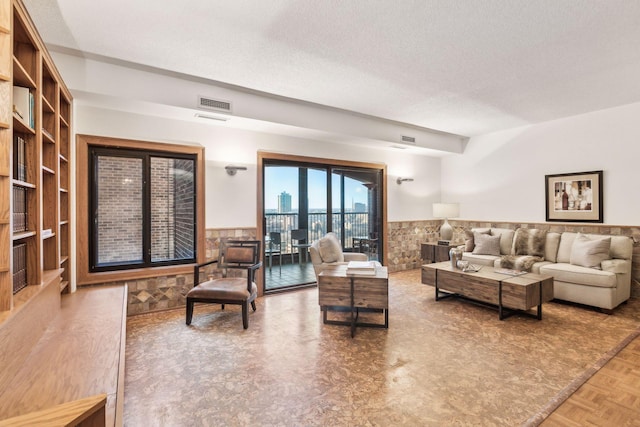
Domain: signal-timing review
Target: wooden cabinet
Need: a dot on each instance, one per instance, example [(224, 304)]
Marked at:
[(35, 119), (433, 252)]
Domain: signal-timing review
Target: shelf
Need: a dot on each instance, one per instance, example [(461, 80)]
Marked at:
[(63, 285), (47, 137), (20, 75), (4, 125), (64, 121), (63, 190), (63, 259), (21, 126), (63, 159), (48, 236), (19, 183), (65, 222), (23, 235), (48, 170), (46, 105), (4, 221)]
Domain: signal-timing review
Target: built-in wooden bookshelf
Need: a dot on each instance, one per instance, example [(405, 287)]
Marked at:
[(35, 131)]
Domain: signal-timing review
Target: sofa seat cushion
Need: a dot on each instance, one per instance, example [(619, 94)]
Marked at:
[(569, 273), (479, 259)]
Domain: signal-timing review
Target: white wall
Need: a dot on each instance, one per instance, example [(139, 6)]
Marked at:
[(231, 200), (501, 176)]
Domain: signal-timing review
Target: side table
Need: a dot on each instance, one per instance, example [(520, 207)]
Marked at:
[(431, 252)]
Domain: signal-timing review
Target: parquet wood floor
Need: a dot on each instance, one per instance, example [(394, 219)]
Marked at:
[(611, 397)]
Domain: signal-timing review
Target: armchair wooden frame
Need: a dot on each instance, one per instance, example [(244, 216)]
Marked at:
[(234, 254)]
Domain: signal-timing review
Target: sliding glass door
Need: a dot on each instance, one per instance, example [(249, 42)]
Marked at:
[(302, 202)]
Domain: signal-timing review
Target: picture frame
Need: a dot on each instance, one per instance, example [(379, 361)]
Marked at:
[(574, 197)]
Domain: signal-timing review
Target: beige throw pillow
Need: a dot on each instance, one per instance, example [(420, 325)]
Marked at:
[(486, 244), (587, 252), (330, 248), (469, 243)]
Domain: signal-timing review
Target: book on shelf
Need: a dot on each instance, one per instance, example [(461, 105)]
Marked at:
[(19, 159), (19, 209), (23, 104), (367, 268)]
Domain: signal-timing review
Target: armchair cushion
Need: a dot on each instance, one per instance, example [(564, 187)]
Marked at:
[(228, 288), (330, 249)]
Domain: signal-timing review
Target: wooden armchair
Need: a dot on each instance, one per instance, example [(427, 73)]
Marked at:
[(234, 254)]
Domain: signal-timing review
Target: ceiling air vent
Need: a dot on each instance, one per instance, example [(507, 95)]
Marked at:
[(214, 104), (408, 140)]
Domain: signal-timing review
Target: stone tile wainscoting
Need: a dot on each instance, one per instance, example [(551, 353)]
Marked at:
[(630, 231), (404, 238), (161, 293)]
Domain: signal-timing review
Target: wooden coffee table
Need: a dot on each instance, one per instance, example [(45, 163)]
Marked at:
[(510, 294), (337, 289)]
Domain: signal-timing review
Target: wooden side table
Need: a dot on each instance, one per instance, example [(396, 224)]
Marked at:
[(433, 252), (338, 289)]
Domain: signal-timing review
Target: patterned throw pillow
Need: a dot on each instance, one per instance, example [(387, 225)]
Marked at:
[(529, 242), (486, 244)]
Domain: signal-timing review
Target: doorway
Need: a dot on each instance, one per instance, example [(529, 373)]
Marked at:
[(304, 198)]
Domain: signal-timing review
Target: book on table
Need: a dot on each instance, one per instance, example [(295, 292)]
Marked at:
[(366, 268)]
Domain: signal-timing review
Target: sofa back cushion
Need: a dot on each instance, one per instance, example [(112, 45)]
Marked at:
[(506, 239), (564, 248), (621, 246), (529, 241), (551, 247), (330, 248)]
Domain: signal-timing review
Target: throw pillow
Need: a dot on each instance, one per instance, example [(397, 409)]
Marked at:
[(469, 242), (330, 248), (587, 252), (486, 245), (529, 242)]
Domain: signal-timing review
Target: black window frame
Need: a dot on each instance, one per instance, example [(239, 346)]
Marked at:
[(145, 155)]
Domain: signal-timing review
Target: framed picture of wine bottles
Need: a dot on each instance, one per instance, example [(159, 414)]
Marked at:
[(574, 197)]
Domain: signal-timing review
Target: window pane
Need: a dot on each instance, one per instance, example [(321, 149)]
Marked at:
[(119, 186), (172, 209)]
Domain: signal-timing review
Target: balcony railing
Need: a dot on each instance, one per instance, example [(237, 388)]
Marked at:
[(356, 224)]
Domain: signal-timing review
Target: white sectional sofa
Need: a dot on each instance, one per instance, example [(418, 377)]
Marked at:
[(587, 269)]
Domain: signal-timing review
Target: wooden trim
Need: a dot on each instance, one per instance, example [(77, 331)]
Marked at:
[(89, 411), (84, 277), (265, 155)]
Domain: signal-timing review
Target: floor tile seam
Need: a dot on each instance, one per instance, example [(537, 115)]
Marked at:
[(572, 387)]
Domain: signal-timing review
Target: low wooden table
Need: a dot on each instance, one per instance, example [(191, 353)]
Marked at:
[(511, 294), (358, 293)]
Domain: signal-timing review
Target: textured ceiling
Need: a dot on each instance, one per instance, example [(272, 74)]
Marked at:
[(466, 67)]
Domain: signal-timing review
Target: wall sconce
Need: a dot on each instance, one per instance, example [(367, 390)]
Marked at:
[(401, 180), (232, 170)]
